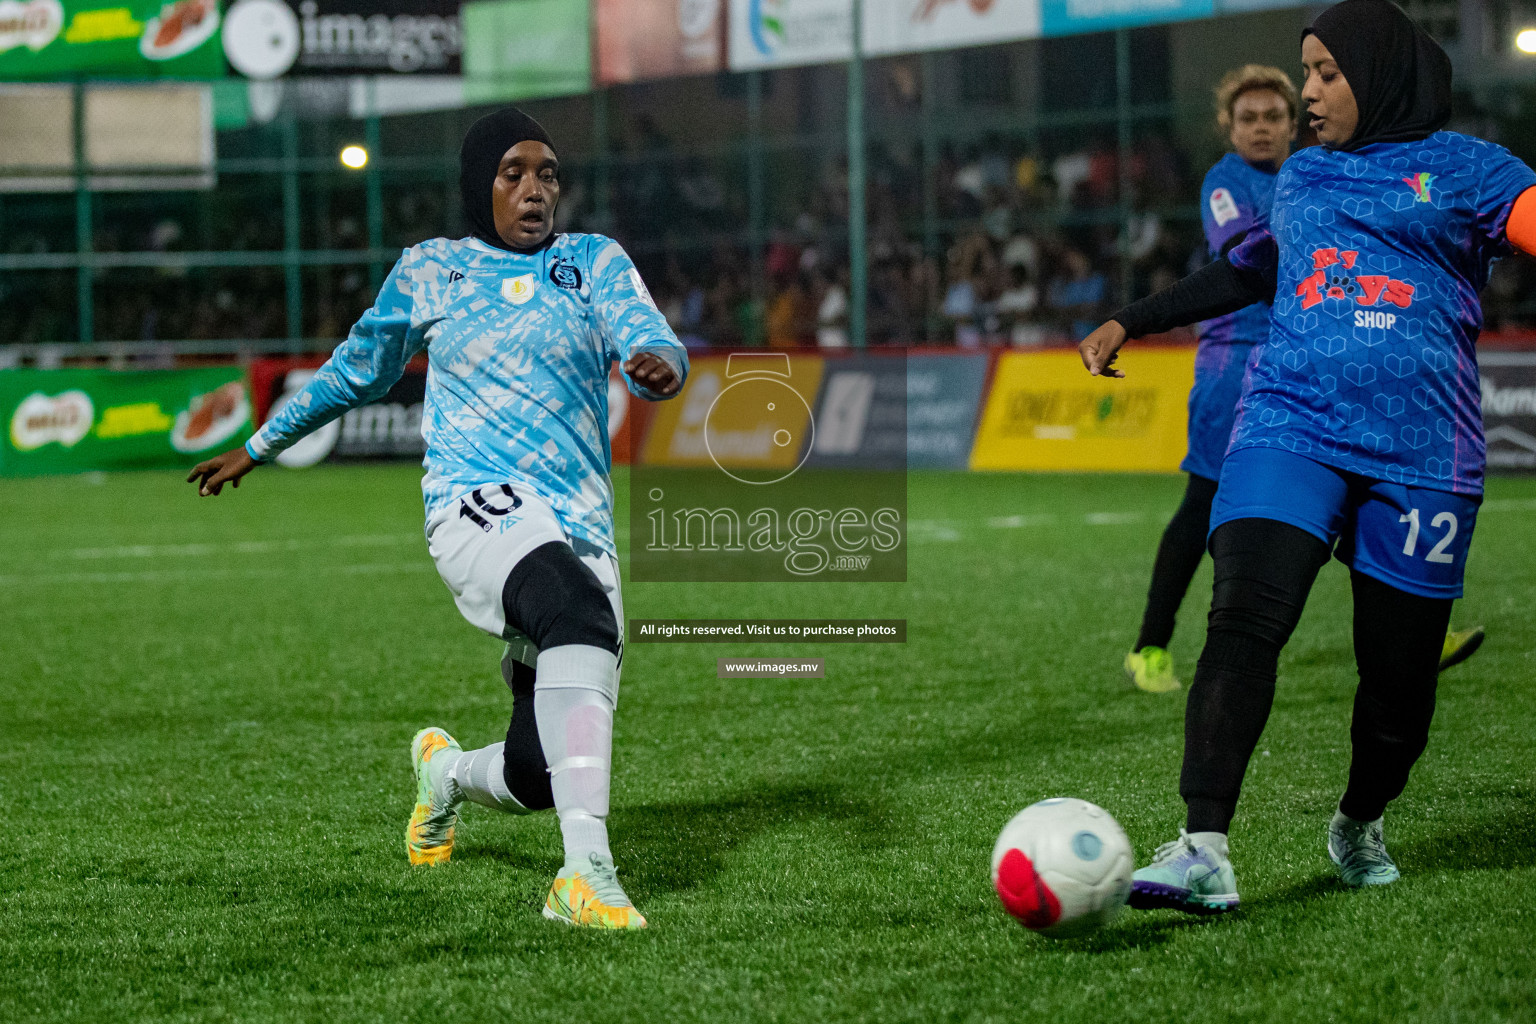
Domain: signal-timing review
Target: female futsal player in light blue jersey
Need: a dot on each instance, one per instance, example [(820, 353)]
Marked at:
[(520, 326)]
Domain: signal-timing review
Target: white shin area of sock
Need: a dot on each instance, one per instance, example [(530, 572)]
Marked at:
[(573, 703), (478, 775)]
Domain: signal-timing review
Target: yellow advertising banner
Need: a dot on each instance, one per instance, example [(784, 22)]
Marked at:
[(1044, 412), (748, 411)]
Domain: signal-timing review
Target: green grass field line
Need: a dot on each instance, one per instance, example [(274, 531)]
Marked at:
[(205, 708)]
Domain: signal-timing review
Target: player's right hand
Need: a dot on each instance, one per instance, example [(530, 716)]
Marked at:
[(1100, 349), (211, 475)]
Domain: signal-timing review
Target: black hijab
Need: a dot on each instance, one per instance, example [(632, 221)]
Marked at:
[(1399, 75), (486, 142)]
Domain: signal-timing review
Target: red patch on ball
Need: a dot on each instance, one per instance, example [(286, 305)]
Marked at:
[(1024, 893)]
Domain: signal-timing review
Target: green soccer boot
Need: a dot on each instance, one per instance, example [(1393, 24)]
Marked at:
[(1188, 874), (1360, 851), (588, 895), (1460, 644), (1151, 669), (429, 835)]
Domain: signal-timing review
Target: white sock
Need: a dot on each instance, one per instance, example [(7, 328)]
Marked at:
[(1214, 841), (573, 701), (477, 777), (1342, 820)]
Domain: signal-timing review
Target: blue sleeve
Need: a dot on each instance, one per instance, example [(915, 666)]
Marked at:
[(630, 320), (361, 370), (1257, 253), (1504, 177), (1227, 212)]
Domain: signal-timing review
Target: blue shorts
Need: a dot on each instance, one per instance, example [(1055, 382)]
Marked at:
[(1219, 373), (1411, 538)]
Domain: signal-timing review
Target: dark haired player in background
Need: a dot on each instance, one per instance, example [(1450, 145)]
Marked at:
[(1256, 106), (520, 326), (1359, 426)]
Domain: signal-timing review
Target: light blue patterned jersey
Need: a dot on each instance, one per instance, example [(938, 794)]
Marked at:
[(519, 348)]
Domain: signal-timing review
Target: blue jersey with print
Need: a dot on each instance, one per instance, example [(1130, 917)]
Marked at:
[(1219, 372), (1235, 200), (1379, 256), (519, 348)]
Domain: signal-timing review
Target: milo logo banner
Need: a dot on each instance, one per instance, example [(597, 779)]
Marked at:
[(41, 39), (70, 421)]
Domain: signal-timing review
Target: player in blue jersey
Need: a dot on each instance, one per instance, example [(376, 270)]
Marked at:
[(1256, 106), (520, 326), (1359, 429)]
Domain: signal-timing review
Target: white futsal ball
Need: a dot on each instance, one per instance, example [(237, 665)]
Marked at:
[(1062, 867)]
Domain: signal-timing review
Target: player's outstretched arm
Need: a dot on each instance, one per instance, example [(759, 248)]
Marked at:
[(1244, 277), (653, 373), (212, 474)]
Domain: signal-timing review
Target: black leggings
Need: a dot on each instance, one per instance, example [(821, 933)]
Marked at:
[(1178, 556), (552, 598), (1264, 571)]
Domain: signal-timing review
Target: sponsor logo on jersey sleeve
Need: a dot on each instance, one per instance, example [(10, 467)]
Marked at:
[(1223, 207), (518, 290)]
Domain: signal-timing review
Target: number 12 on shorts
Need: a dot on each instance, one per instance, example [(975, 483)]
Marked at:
[(1445, 521)]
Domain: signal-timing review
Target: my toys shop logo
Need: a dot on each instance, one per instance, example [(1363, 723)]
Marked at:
[(1331, 279)]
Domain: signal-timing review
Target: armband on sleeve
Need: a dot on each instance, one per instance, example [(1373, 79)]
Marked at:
[(1520, 229)]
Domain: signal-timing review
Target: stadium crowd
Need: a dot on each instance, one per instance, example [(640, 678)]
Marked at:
[(1020, 250)]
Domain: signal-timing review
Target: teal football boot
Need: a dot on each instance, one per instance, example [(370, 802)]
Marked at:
[(1195, 877), (1360, 851)]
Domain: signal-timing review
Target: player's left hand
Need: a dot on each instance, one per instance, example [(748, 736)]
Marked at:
[(212, 474), (651, 372), (1101, 348)]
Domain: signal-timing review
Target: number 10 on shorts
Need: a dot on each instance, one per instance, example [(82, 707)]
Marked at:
[(1444, 521)]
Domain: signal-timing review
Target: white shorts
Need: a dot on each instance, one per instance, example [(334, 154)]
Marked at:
[(478, 540)]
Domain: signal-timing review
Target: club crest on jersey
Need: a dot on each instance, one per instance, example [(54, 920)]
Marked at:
[(1329, 280), (518, 290), (1420, 185), (565, 274)]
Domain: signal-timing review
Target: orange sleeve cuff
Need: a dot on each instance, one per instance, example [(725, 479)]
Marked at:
[(1521, 227)]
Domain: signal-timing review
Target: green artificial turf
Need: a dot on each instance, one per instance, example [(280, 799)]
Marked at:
[(205, 709)]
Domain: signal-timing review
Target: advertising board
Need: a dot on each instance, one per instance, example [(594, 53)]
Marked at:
[(45, 39), (1509, 410), (943, 399), (781, 33), (1067, 17), (521, 49), (904, 26), (71, 421), (1044, 412), (643, 39), (861, 413), (267, 38)]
